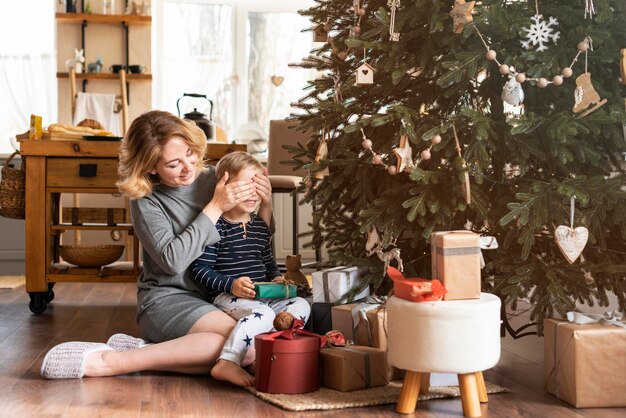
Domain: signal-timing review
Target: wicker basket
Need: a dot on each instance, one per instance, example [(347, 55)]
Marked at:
[(13, 190), (91, 255)]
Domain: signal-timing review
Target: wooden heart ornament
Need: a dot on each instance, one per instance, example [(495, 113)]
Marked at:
[(277, 80), (570, 241)]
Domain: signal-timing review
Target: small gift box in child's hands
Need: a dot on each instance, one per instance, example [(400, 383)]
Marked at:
[(275, 290), (331, 284)]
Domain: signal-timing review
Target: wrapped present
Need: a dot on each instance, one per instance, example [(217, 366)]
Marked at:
[(273, 290), (354, 367), (351, 320), (585, 363), (321, 319), (288, 361), (331, 284), (456, 261), (377, 322), (415, 289)]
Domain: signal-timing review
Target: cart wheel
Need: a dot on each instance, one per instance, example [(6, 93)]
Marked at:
[(38, 302), (49, 295)]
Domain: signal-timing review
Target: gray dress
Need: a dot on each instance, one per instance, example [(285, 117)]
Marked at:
[(173, 232)]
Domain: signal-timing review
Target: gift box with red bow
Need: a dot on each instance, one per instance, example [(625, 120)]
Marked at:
[(287, 361), (415, 289)]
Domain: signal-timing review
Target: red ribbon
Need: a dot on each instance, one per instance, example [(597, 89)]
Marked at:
[(295, 329)]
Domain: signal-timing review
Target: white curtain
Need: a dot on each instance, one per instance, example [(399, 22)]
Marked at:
[(27, 67), (27, 86)]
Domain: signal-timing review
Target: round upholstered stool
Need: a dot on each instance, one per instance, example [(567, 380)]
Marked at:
[(452, 336)]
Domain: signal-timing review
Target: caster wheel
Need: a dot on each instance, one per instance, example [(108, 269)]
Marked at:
[(38, 302), (49, 295)]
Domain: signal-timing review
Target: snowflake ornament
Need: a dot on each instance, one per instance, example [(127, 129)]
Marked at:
[(541, 32)]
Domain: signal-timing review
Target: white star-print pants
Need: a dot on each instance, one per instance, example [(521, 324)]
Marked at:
[(254, 316)]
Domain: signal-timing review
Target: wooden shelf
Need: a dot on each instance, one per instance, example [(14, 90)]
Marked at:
[(99, 18), (106, 76), (93, 227)]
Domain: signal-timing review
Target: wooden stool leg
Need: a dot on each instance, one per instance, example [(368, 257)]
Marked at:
[(482, 389), (425, 384), (410, 392), (469, 395)]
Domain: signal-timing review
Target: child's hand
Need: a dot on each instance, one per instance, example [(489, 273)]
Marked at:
[(243, 288)]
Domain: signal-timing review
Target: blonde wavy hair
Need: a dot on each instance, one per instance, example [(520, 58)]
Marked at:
[(143, 144), (234, 162)]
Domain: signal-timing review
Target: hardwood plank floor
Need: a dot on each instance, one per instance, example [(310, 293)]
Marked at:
[(93, 312)]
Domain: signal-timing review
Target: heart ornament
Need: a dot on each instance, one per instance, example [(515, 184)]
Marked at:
[(277, 80), (571, 241)]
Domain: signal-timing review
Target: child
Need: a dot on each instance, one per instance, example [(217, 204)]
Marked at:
[(229, 268)]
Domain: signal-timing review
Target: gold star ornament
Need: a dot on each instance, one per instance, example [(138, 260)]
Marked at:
[(461, 14)]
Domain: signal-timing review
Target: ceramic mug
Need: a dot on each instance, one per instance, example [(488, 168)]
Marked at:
[(115, 68), (136, 69)]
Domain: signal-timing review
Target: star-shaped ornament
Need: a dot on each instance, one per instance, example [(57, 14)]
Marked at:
[(405, 155), (461, 14)]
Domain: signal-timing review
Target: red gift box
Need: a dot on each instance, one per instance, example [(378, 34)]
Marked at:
[(288, 361), (415, 289)]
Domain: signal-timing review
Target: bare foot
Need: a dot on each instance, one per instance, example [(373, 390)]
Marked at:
[(231, 372)]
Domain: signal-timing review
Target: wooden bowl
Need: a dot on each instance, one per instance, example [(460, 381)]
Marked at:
[(91, 255)]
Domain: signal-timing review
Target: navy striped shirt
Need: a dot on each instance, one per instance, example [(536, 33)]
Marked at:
[(238, 253)]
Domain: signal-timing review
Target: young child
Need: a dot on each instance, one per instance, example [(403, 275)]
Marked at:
[(229, 269)]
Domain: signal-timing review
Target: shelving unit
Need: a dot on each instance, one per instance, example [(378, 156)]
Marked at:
[(84, 19)]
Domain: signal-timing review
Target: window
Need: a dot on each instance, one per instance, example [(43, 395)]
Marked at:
[(236, 52), (27, 68)]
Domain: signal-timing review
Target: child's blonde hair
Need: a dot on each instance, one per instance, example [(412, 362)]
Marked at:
[(236, 161)]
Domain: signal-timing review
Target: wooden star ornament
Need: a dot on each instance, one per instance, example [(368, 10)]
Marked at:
[(461, 14), (405, 155)]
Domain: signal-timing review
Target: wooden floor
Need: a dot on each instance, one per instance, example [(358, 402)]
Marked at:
[(92, 312)]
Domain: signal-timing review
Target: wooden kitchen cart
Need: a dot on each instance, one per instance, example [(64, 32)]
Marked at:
[(54, 167)]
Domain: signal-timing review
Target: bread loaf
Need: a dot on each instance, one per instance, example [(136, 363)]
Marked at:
[(90, 123)]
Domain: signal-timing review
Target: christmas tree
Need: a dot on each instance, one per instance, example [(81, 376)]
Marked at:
[(504, 118)]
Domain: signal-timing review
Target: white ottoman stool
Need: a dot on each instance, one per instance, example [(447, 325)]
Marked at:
[(454, 336)]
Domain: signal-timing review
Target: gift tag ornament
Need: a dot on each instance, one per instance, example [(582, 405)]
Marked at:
[(461, 14), (586, 99), (571, 241)]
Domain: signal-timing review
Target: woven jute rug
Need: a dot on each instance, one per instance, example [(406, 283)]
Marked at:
[(12, 282), (325, 398)]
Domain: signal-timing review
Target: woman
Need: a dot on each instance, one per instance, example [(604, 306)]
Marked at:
[(175, 203)]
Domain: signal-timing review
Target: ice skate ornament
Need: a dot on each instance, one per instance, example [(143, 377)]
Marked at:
[(374, 246), (393, 35), (541, 32), (571, 241), (586, 100)]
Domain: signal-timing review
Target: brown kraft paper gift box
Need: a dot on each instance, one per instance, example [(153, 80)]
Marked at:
[(585, 365), (455, 257), (377, 319), (343, 319), (352, 368)]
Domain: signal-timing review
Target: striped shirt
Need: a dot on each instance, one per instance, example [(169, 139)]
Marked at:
[(238, 253)]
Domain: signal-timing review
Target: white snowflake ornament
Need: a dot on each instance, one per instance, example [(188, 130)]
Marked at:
[(541, 32)]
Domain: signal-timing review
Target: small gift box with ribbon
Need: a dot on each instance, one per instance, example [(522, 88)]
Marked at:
[(456, 261), (352, 368), (415, 289), (287, 361), (331, 284), (377, 322), (585, 359), (275, 290), (352, 321)]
